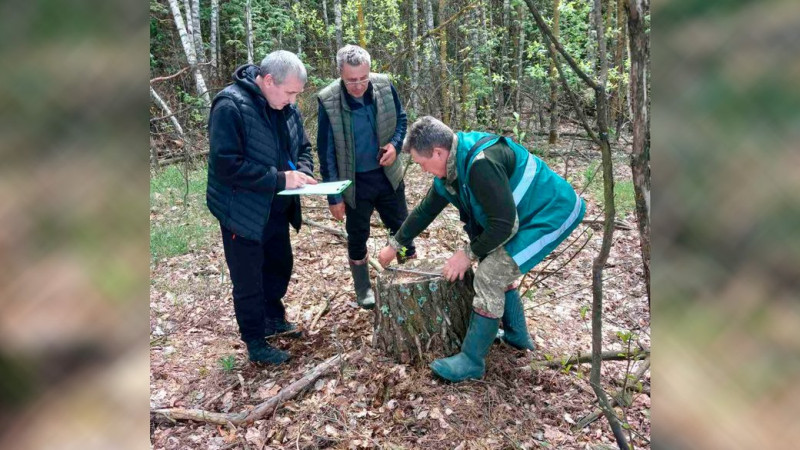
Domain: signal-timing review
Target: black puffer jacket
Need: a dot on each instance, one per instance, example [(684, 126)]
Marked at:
[(246, 160)]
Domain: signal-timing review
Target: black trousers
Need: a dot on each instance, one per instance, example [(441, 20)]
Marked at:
[(260, 274), (374, 191)]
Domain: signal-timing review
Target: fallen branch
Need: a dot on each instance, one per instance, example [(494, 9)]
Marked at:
[(199, 415), (324, 310), (181, 158), (612, 355), (613, 401)]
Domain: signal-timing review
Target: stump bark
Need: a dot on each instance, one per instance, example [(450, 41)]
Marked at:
[(418, 318)]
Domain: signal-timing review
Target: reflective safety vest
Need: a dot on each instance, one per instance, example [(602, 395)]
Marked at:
[(548, 208)]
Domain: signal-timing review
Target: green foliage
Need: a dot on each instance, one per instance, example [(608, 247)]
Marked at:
[(227, 363), (624, 198), (584, 310), (183, 222), (197, 114)]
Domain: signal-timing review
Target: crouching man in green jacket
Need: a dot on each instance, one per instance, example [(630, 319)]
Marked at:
[(516, 211)]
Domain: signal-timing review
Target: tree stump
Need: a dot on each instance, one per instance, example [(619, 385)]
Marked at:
[(420, 317)]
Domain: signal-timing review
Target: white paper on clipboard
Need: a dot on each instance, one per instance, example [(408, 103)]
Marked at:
[(330, 188)]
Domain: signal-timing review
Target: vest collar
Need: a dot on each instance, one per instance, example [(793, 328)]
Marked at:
[(349, 103), (452, 172)]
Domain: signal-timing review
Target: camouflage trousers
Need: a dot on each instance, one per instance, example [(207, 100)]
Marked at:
[(495, 275)]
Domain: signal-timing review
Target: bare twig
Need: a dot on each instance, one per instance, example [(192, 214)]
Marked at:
[(598, 412)]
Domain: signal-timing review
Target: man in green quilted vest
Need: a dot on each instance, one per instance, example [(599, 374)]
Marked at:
[(516, 211), (361, 129)]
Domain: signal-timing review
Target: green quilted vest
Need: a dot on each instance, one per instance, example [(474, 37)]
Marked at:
[(335, 104)]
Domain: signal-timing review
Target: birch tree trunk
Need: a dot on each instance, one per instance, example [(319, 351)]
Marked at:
[(337, 17), (248, 14), (187, 10), (167, 111), (297, 25), (553, 137), (415, 58), (212, 38), (640, 154), (197, 34), (188, 49)]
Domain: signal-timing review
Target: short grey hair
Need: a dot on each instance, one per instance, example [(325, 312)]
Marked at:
[(280, 64), (425, 134), (353, 55)]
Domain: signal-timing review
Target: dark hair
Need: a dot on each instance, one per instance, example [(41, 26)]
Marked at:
[(425, 134)]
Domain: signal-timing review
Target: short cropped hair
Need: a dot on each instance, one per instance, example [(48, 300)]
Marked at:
[(280, 64), (353, 55), (425, 134)]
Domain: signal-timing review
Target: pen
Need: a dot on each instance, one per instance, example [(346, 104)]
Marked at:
[(291, 164)]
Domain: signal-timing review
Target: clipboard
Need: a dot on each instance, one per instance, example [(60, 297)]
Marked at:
[(329, 188)]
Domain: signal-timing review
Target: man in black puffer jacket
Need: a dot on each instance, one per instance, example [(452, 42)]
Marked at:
[(259, 148)]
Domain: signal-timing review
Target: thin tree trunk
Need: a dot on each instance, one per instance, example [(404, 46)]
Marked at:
[(167, 111), (520, 53), (619, 63), (328, 35), (640, 153), (443, 78), (502, 88), (608, 231), (362, 28), (248, 15), (480, 102), (197, 33), (553, 138), (430, 53), (297, 24), (337, 17), (188, 49), (415, 58), (187, 10), (213, 37), (598, 264)]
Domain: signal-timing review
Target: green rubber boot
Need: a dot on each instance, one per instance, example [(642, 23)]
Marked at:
[(469, 363), (515, 330), (364, 295)]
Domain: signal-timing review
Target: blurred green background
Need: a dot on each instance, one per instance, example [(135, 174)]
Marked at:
[(74, 246), (726, 258), (74, 365)]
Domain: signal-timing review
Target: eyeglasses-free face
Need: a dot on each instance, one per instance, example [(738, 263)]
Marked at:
[(355, 79)]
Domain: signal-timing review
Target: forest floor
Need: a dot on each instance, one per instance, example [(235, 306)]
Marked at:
[(198, 361)]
